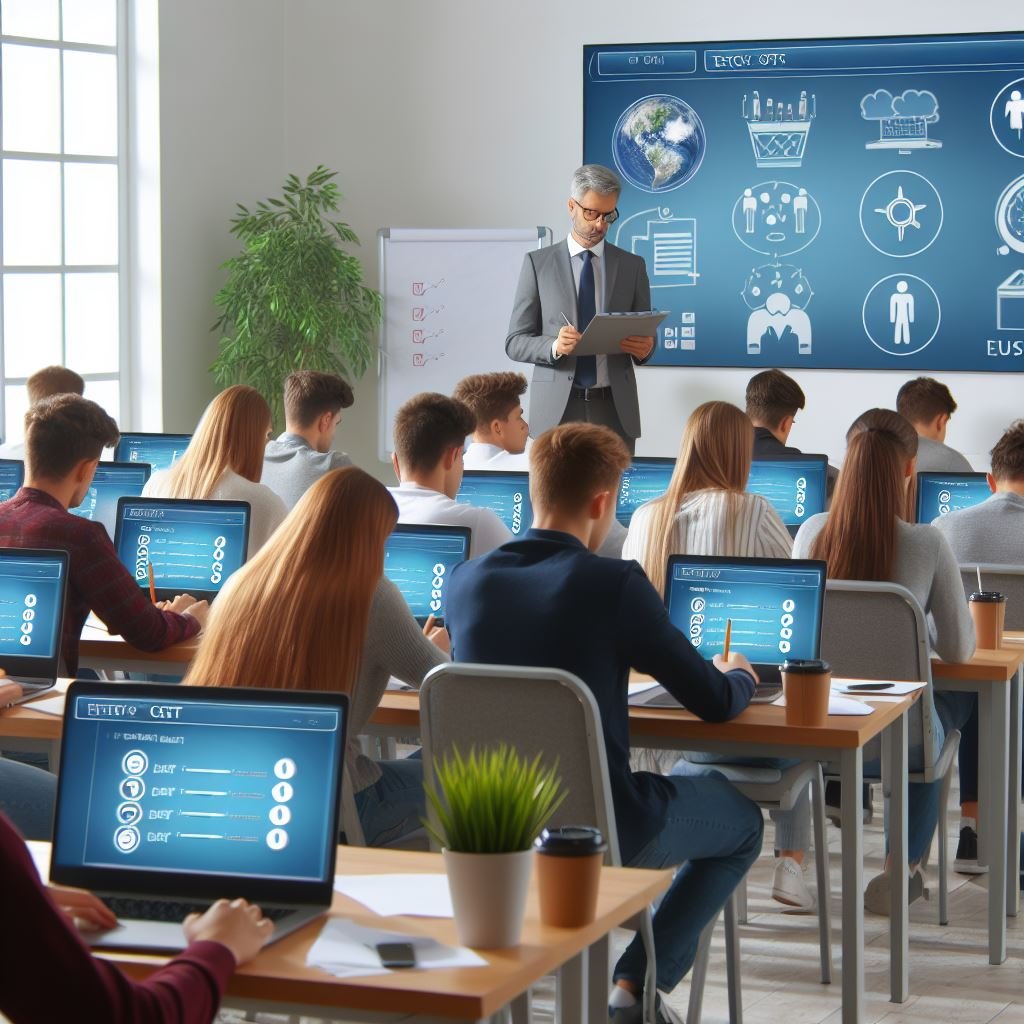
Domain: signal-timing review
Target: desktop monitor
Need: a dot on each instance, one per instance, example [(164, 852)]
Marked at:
[(794, 485), (12, 476), (419, 560), (33, 584), (158, 450), (940, 493), (190, 547), (646, 479), (112, 480), (506, 494)]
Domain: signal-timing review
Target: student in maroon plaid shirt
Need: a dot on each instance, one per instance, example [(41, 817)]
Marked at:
[(64, 438)]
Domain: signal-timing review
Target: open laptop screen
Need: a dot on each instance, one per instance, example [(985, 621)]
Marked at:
[(775, 606), (158, 450), (12, 476), (419, 560), (169, 781), (192, 546), (646, 479), (506, 494), (794, 485), (32, 589), (111, 481), (939, 493)]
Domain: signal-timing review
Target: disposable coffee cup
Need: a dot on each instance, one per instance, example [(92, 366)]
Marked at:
[(568, 873), (988, 609), (806, 684)]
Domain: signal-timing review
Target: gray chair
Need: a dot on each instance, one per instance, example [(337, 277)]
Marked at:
[(1007, 579), (547, 711), (878, 631)]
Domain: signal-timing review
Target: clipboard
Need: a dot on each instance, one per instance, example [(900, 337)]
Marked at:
[(606, 330)]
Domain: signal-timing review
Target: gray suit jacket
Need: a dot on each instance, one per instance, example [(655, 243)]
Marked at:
[(546, 290)]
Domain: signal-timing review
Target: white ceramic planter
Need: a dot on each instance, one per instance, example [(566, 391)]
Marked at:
[(489, 896)]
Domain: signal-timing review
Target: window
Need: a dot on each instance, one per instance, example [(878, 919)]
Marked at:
[(62, 210)]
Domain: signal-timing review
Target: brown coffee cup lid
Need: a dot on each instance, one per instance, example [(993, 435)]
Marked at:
[(805, 666), (987, 596)]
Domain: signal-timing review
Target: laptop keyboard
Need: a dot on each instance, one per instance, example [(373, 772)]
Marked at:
[(172, 911)]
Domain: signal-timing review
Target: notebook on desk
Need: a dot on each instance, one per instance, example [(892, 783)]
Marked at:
[(645, 479), (941, 493), (794, 485), (12, 476), (158, 450), (182, 795), (112, 480), (505, 493), (419, 560)]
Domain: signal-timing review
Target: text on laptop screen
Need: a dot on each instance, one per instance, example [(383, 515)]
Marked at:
[(507, 495), (193, 785), (111, 481), (643, 481), (31, 602), (419, 563), (12, 475), (158, 450), (775, 611), (191, 547), (794, 487), (941, 493)]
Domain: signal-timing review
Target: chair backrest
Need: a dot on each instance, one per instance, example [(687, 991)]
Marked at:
[(535, 710), (1007, 579)]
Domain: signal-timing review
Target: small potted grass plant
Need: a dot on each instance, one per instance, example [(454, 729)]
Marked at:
[(489, 807)]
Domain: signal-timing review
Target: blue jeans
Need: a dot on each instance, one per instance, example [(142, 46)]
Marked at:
[(394, 805), (715, 833), (27, 796)]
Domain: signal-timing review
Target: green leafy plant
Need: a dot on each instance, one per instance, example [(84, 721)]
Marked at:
[(294, 298), (492, 801)]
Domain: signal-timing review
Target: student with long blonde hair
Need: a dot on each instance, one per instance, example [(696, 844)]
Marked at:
[(868, 535), (224, 460), (313, 611)]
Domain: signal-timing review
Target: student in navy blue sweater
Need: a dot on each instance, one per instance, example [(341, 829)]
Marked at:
[(548, 600)]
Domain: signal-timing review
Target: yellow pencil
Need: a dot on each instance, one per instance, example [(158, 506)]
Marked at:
[(728, 634), (152, 592)]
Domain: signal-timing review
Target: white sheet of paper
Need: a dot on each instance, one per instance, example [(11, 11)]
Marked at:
[(48, 706), (638, 693), (837, 705), (895, 688), (390, 895), (397, 684)]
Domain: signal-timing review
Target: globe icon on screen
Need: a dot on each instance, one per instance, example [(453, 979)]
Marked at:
[(658, 143)]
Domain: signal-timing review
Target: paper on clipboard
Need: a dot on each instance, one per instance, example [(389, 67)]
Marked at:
[(606, 330)]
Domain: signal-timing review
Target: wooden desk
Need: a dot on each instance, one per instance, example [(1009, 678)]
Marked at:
[(99, 650)]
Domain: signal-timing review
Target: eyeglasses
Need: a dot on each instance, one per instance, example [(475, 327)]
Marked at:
[(608, 218)]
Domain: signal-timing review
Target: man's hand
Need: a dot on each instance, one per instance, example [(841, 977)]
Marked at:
[(568, 338), (199, 610), (735, 660), (637, 346), (437, 635), (84, 910), (239, 925)]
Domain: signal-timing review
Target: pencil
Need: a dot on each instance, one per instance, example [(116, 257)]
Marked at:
[(152, 590), (728, 634)]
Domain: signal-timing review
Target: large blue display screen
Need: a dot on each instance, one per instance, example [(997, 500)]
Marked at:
[(507, 495), (775, 608), (794, 487), (851, 203), (191, 785), (12, 475), (940, 493), (112, 480), (419, 561), (644, 480), (158, 450), (31, 603)]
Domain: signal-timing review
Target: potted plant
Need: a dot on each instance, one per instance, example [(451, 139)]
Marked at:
[(490, 807), (294, 298)]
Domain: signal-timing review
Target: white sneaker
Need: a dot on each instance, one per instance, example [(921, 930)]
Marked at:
[(789, 887)]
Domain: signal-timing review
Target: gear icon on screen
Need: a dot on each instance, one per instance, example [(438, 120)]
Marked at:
[(902, 212)]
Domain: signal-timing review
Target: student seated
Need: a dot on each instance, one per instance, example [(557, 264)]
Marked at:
[(319, 583), (51, 380), (224, 460), (430, 431), (868, 535), (501, 434), (562, 606), (928, 405), (303, 453), (48, 973), (64, 438)]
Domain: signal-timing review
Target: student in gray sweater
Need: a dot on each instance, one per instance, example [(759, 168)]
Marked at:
[(867, 536), (928, 405)]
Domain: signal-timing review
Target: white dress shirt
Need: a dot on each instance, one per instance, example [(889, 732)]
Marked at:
[(424, 507), (576, 262), (489, 456)]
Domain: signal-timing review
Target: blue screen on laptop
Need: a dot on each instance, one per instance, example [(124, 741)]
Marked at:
[(112, 481), (158, 450), (794, 487), (775, 608), (12, 475), (419, 562), (645, 480), (940, 493), (31, 603), (193, 785), (507, 495)]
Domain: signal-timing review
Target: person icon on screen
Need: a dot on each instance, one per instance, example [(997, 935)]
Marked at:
[(749, 209), (1015, 112), (800, 210), (901, 313)]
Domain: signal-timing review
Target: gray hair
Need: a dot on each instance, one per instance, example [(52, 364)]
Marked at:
[(594, 178)]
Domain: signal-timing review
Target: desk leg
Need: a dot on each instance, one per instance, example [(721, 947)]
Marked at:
[(598, 979), (899, 917), (1013, 798), (570, 1003), (851, 766), (994, 727)]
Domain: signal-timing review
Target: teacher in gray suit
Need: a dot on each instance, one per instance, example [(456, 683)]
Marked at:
[(561, 288)]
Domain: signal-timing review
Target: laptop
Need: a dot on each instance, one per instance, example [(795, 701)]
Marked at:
[(172, 797), (191, 547), (111, 481), (12, 476), (33, 589), (419, 560), (506, 494), (775, 605), (646, 479), (939, 493), (794, 485), (157, 450)]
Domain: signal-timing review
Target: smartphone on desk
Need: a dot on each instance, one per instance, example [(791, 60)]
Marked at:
[(396, 955)]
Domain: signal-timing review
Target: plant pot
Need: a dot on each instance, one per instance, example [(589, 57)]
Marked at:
[(489, 896)]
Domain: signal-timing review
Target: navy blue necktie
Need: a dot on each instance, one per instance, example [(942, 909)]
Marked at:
[(586, 307)]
